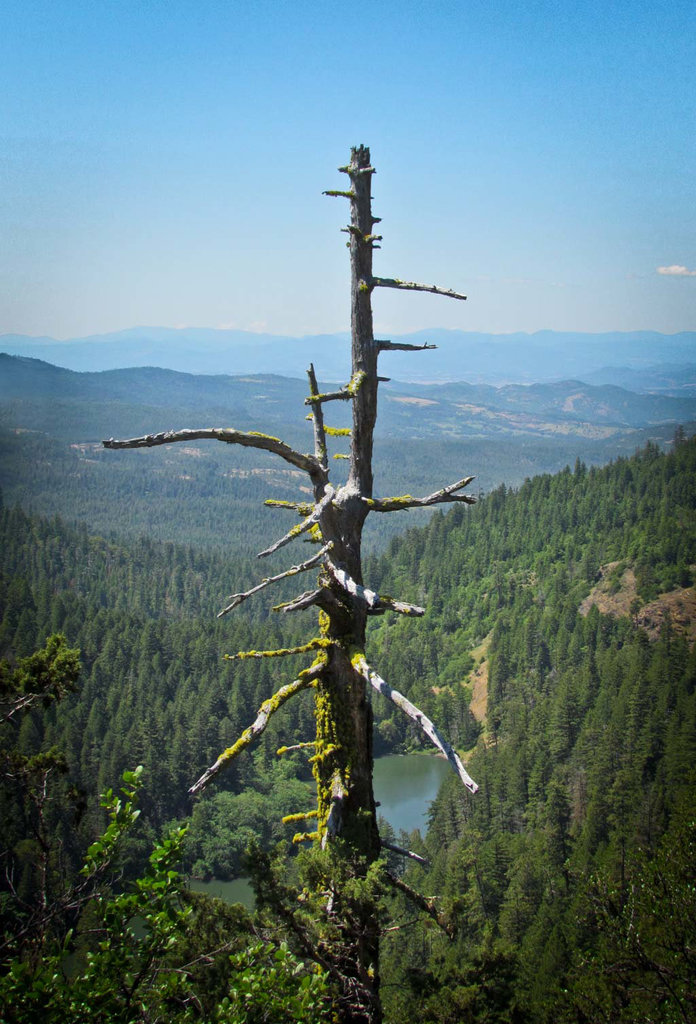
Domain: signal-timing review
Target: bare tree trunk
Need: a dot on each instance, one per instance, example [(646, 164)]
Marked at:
[(342, 760)]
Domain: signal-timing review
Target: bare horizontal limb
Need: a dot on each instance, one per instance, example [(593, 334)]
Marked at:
[(404, 853), (402, 346), (423, 902), (305, 600), (236, 599), (304, 526), (413, 286), (250, 439), (415, 714), (268, 708), (446, 494), (329, 396), (350, 169)]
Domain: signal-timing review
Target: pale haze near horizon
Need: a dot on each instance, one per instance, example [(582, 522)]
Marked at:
[(163, 163)]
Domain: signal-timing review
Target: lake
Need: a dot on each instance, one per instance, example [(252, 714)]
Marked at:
[(405, 785)]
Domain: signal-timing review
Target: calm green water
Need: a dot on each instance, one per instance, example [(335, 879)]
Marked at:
[(236, 891), (405, 786)]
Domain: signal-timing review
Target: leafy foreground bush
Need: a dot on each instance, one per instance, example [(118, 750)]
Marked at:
[(154, 952)]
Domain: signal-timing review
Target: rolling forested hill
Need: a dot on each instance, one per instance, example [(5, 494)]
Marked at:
[(52, 421), (556, 651), (570, 875)]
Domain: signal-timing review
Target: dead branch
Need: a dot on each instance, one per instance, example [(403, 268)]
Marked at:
[(441, 497), (390, 604), (355, 171), (416, 715), (402, 346), (303, 508), (317, 420), (250, 439), (328, 396), (268, 708), (376, 603), (318, 643), (304, 526), (350, 586), (404, 853), (305, 600), (296, 746), (423, 902), (236, 599), (413, 286)]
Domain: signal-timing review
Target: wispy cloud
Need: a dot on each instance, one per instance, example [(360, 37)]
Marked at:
[(676, 270)]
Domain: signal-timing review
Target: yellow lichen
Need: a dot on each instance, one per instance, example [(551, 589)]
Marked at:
[(267, 437), (305, 837), (312, 645), (355, 382), (325, 752), (300, 816), (295, 746)]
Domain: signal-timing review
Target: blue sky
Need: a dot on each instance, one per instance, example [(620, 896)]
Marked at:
[(163, 163)]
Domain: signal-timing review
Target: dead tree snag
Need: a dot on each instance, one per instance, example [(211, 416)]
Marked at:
[(340, 673)]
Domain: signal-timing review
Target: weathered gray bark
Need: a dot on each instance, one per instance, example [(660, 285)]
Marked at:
[(340, 674)]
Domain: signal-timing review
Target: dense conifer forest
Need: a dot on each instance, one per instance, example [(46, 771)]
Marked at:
[(556, 652)]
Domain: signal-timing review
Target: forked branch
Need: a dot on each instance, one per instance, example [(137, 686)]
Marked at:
[(304, 526), (416, 715), (250, 439), (236, 599), (441, 497), (268, 708), (413, 286)]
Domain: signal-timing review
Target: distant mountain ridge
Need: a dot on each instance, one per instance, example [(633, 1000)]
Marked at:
[(454, 409), (462, 355)]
